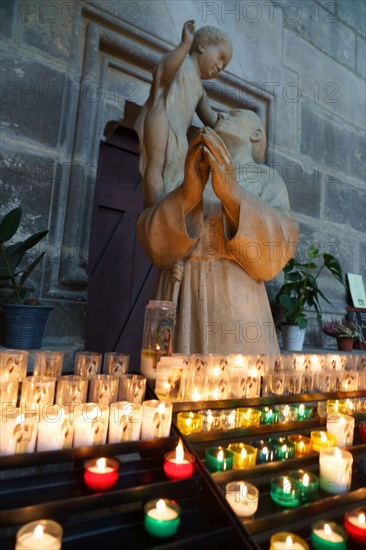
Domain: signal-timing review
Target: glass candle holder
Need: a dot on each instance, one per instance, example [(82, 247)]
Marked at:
[(327, 535), (335, 470), (268, 415), (304, 412), (18, 431), (210, 420), (115, 363), (87, 364), (303, 445), (292, 383), (170, 379), (307, 484), (287, 541), (48, 363), (265, 451), (283, 448), (253, 386), (124, 422), (37, 392), (228, 419), (9, 386), (242, 497), (43, 534), (179, 464), (284, 492), (321, 439), (277, 383), (217, 377), (218, 459), (362, 431), (156, 419), (246, 417), (342, 427), (132, 388), (55, 429), (71, 390), (161, 517), (355, 525), (14, 362), (103, 389), (306, 382), (189, 422), (350, 381), (245, 456), (91, 425), (101, 474), (286, 413)]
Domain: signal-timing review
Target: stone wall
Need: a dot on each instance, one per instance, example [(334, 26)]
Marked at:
[(69, 66)]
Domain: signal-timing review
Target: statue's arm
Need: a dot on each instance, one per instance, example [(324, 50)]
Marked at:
[(171, 62), (205, 112)]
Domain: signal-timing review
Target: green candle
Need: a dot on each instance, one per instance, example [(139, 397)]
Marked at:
[(162, 517), (284, 491), (327, 535), (218, 459), (307, 483), (283, 448)]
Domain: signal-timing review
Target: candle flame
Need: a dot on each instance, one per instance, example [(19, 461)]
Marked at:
[(243, 454), (337, 453), (220, 456), (286, 411), (161, 408), (101, 463), (160, 506), (323, 437), (157, 347), (301, 409), (284, 448), (265, 450), (286, 485), (196, 396), (38, 532), (305, 480), (362, 518), (342, 420), (179, 453), (288, 542), (301, 446), (93, 413), (327, 529)]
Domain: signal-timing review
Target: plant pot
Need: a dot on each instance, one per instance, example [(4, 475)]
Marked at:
[(344, 343), (292, 337), (24, 325)]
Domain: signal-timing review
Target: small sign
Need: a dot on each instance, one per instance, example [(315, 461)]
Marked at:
[(357, 290), (358, 316)]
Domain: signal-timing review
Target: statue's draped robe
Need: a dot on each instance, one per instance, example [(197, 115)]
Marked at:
[(223, 305)]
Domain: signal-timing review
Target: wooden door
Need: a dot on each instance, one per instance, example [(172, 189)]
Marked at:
[(121, 276)]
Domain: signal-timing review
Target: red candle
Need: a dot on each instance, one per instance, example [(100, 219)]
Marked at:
[(178, 464), (355, 525), (101, 474), (362, 431)]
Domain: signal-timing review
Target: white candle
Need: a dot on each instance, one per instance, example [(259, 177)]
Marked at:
[(289, 545), (35, 536), (242, 497), (342, 427), (359, 521), (162, 512), (101, 467), (335, 467), (18, 432), (124, 422), (327, 534), (55, 430), (156, 419), (91, 425)]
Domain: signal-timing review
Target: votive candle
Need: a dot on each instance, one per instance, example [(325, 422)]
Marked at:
[(189, 422), (218, 459), (265, 451), (284, 492), (355, 525), (242, 497), (101, 474), (162, 517), (321, 440), (335, 467), (303, 444), (327, 535), (43, 534), (178, 464), (244, 455), (287, 541), (283, 447), (307, 483), (342, 427)]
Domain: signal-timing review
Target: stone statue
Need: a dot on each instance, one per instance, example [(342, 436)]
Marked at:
[(218, 225), (176, 93)]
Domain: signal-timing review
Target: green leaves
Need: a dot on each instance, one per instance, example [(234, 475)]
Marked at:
[(12, 273), (300, 289)]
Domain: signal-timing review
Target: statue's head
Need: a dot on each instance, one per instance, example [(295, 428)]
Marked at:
[(243, 126), (209, 38)]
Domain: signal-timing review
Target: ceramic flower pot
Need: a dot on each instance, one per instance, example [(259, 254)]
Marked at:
[(344, 343), (24, 325), (292, 337)]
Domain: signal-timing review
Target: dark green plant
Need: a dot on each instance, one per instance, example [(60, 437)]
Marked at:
[(12, 276), (300, 290)]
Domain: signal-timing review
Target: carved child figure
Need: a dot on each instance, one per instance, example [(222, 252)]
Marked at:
[(176, 93)]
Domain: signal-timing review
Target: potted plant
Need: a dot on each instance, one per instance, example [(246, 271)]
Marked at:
[(300, 292), (343, 330), (24, 319)]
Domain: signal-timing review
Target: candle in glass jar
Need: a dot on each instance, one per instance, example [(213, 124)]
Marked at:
[(101, 474), (39, 535), (178, 464), (284, 491), (342, 427), (265, 451), (327, 535), (189, 422), (287, 541), (321, 440), (242, 497), (355, 525), (335, 467), (283, 448), (307, 483), (244, 455), (218, 459), (162, 517), (303, 445)]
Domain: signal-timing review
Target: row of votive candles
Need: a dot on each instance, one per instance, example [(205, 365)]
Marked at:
[(54, 427), (242, 417), (196, 379), (50, 363), (105, 389)]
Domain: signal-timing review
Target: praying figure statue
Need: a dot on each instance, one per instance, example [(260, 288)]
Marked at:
[(217, 221)]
